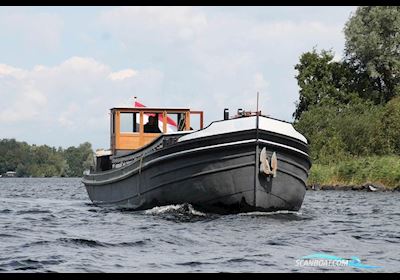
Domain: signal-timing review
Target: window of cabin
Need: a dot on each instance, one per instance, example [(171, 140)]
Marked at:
[(181, 121), (152, 122), (195, 121), (175, 122), (129, 122)]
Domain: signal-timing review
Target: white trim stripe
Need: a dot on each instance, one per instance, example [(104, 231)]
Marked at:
[(284, 146)]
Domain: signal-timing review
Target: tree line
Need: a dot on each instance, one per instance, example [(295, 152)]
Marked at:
[(351, 108), (44, 161)]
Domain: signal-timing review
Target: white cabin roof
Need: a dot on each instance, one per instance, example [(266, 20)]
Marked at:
[(246, 123)]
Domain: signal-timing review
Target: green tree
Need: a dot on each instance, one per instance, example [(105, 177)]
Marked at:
[(359, 125), (318, 126), (372, 47), (78, 159), (43, 161), (338, 132), (322, 81), (391, 125)]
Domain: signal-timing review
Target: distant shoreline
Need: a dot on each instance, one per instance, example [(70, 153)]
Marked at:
[(5, 177), (366, 188)]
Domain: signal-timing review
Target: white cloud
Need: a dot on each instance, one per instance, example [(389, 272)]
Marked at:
[(164, 24), (6, 70), (288, 29), (83, 65), (24, 105), (66, 117), (204, 58), (226, 55), (73, 97), (122, 75)]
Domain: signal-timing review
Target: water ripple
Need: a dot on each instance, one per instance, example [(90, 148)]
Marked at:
[(49, 225)]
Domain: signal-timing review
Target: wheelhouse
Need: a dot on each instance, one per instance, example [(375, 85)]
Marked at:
[(129, 126)]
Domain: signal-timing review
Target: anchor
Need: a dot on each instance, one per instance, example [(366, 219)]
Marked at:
[(265, 167)]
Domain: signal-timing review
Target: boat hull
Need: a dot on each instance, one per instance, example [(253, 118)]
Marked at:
[(218, 174)]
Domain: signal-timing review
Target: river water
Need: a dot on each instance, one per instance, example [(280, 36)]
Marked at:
[(49, 225)]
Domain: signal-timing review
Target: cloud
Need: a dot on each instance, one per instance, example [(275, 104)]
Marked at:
[(24, 106), (72, 98), (205, 58), (122, 75), (164, 24), (66, 117), (228, 56), (6, 70)]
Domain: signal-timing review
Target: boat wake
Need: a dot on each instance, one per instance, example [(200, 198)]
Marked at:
[(282, 215), (279, 212), (184, 209)]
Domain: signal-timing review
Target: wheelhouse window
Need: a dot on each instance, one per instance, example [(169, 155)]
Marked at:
[(176, 122), (195, 121), (129, 122), (152, 122), (181, 121)]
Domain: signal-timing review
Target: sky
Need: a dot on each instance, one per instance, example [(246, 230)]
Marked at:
[(63, 68)]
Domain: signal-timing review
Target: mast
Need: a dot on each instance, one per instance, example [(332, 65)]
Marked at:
[(257, 117), (257, 159)]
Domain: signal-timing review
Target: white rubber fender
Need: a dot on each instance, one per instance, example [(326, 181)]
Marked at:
[(265, 167)]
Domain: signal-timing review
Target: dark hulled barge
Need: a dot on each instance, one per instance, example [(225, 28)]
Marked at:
[(249, 162)]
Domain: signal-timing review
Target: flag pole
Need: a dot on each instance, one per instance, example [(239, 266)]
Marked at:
[(257, 158), (257, 117)]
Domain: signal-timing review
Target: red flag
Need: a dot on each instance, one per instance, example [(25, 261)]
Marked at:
[(137, 104)]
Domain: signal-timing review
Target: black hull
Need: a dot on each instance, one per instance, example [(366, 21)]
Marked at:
[(215, 174)]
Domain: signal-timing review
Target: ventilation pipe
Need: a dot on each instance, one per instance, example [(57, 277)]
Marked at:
[(226, 114)]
